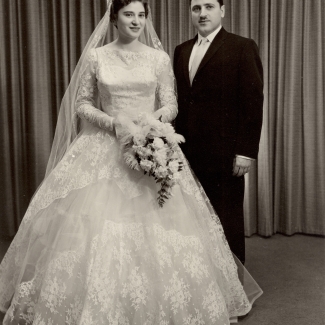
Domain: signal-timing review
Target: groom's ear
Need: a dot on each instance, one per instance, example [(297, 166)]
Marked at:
[(223, 9)]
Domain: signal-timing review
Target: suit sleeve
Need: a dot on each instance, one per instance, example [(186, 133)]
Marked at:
[(175, 60), (176, 52), (251, 101)]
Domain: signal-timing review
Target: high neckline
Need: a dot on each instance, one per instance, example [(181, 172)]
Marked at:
[(129, 51)]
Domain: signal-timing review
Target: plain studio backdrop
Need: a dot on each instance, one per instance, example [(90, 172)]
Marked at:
[(41, 41)]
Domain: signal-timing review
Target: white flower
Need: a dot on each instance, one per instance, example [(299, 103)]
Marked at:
[(176, 176), (160, 156), (131, 161), (161, 172), (173, 166), (143, 152), (174, 138), (146, 165), (158, 143), (179, 138)]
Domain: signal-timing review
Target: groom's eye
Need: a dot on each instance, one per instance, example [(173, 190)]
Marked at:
[(196, 9)]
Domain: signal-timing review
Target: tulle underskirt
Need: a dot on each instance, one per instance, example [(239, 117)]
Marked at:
[(95, 248)]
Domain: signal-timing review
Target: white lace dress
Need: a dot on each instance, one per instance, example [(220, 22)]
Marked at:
[(94, 246)]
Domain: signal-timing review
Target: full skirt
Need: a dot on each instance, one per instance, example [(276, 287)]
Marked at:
[(95, 248)]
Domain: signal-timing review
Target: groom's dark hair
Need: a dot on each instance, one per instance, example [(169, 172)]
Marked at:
[(220, 2)]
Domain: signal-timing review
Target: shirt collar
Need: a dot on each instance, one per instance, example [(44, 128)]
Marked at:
[(211, 36)]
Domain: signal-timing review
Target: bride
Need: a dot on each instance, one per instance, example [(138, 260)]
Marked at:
[(94, 246)]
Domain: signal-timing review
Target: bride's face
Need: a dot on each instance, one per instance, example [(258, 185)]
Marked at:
[(131, 20)]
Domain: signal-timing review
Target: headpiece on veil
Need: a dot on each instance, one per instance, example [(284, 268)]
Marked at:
[(66, 128)]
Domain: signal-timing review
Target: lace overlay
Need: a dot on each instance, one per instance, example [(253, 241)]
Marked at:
[(95, 248), (128, 82)]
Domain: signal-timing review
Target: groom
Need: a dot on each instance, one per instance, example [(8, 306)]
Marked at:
[(220, 96)]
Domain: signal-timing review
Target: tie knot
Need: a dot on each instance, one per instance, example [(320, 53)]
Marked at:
[(203, 41)]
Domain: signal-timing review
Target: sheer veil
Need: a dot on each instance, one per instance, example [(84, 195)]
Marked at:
[(67, 123)]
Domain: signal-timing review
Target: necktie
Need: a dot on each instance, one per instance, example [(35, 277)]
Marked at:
[(201, 50)]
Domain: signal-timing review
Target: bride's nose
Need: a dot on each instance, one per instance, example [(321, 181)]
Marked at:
[(135, 20)]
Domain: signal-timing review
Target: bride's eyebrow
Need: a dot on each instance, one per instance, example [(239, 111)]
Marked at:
[(132, 12)]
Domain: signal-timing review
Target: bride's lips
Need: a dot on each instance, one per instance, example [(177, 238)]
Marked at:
[(136, 29)]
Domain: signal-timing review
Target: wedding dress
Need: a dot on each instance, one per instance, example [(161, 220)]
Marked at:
[(94, 246)]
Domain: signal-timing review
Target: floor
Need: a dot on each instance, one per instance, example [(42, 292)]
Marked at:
[(291, 272)]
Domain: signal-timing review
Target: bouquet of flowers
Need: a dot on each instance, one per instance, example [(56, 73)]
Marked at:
[(149, 145)]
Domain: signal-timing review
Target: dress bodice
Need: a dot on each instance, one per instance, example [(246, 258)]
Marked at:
[(128, 82)]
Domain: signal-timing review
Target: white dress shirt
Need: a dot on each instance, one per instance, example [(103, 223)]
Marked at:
[(210, 38)]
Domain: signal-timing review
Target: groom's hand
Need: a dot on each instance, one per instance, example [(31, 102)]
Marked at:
[(241, 166)]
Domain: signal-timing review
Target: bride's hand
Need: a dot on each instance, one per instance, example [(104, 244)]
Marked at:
[(159, 115), (124, 127), (123, 121)]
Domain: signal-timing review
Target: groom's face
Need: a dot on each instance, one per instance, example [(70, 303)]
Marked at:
[(206, 15)]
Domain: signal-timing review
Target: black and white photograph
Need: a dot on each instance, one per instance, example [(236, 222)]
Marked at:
[(162, 162)]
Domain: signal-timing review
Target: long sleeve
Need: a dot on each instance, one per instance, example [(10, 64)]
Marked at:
[(87, 94), (251, 99), (166, 93)]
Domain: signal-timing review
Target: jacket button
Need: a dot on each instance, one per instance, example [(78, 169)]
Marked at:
[(191, 102)]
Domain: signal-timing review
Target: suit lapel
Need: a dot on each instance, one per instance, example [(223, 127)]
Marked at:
[(214, 47), (187, 55)]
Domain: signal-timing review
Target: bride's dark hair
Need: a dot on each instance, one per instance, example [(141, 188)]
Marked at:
[(117, 5)]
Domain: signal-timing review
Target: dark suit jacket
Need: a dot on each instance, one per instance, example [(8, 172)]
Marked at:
[(220, 115)]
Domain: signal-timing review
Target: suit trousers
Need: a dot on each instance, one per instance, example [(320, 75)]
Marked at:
[(226, 194)]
